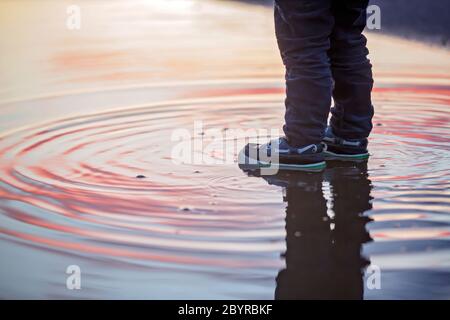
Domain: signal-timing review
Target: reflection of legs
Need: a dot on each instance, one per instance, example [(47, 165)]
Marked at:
[(303, 29), (352, 72), (323, 262)]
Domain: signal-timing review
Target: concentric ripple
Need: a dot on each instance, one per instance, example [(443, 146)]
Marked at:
[(104, 185)]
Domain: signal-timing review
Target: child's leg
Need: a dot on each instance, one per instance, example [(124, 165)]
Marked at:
[(303, 29), (352, 72)]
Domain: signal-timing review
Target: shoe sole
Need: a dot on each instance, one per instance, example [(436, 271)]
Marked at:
[(345, 157), (312, 167)]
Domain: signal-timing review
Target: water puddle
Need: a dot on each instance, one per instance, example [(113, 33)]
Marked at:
[(97, 187)]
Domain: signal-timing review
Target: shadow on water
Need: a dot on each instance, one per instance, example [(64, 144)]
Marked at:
[(325, 231)]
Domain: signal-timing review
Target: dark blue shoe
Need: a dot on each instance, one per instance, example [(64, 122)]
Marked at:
[(344, 149), (279, 154)]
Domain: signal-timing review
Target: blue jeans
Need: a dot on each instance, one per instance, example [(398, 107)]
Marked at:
[(325, 55)]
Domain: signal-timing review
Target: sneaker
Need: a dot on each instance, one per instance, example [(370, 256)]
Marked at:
[(344, 149), (306, 158)]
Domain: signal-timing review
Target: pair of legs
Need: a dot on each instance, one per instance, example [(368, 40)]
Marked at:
[(325, 56)]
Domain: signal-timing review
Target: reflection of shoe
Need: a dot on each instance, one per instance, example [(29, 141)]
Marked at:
[(291, 179), (279, 154), (342, 149), (335, 171)]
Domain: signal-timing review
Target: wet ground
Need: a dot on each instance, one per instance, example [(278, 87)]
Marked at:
[(83, 113)]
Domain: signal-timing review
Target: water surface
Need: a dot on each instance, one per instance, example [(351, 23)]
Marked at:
[(85, 113)]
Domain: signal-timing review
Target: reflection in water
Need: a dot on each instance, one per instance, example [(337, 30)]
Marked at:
[(325, 231), (83, 113)]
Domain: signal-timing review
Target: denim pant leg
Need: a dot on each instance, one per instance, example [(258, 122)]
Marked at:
[(352, 72), (303, 29)]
